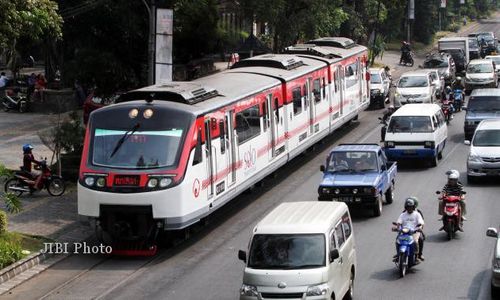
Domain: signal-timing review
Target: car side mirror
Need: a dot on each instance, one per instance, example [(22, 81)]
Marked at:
[(492, 232), (467, 142), (383, 167), (242, 255), (322, 168), (334, 254)]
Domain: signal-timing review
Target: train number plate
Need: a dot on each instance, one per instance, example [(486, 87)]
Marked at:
[(126, 180)]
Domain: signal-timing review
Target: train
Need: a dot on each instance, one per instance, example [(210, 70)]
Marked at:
[(166, 156)]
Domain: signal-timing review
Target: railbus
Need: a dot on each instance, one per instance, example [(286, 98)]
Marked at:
[(166, 156)]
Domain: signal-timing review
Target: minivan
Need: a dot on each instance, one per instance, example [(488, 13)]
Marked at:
[(484, 154), (301, 250), (416, 131), (480, 73), (482, 104), (415, 87)]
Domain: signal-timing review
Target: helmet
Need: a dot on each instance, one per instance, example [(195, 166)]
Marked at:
[(409, 203), (391, 106), (458, 78), (27, 148), (414, 199), (453, 174)]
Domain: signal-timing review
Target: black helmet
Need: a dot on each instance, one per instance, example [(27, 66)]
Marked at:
[(409, 203)]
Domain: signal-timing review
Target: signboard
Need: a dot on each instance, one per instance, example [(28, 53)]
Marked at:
[(462, 1), (411, 10), (164, 31), (443, 3)]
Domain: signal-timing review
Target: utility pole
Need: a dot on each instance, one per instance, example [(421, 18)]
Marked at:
[(151, 8)]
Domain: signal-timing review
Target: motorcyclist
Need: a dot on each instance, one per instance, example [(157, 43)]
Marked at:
[(385, 118), (412, 219), (448, 96), (453, 188), (422, 236), (28, 160), (405, 51)]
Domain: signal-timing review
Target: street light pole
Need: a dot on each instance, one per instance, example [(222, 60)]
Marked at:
[(151, 39)]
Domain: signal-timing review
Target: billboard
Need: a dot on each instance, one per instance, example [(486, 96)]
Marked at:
[(443, 3), (163, 59)]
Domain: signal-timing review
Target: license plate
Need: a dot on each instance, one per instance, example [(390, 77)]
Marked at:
[(126, 180), (346, 199), (410, 151), (450, 205)]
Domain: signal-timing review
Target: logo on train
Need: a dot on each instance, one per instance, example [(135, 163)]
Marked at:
[(196, 188), (249, 160)]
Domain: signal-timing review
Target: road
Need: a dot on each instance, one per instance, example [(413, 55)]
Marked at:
[(206, 266)]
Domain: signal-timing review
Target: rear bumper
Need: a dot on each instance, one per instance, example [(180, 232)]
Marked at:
[(399, 154), (495, 278)]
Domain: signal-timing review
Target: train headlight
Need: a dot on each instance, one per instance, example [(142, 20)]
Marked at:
[(164, 182), (153, 182), (133, 113), (148, 113), (101, 181), (89, 181)]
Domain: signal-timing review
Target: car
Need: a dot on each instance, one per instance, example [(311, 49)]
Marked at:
[(487, 42), (380, 85), (474, 49), (445, 65), (495, 265), (484, 152), (480, 73), (458, 57), (438, 81), (482, 104), (415, 87), (496, 60)]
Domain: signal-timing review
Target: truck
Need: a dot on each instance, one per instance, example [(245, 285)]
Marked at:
[(450, 44), (359, 175)]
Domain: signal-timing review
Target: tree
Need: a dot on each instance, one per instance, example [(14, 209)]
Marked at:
[(31, 21)]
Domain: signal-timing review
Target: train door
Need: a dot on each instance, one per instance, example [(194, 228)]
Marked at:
[(210, 157), (341, 91), (275, 124), (230, 151), (312, 107)]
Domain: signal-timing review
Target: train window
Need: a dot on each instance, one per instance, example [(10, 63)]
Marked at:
[(324, 87), (277, 109), (265, 116), (222, 137), (248, 124), (297, 101), (198, 157), (350, 74), (317, 90)]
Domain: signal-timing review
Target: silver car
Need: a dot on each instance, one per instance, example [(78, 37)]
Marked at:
[(495, 266), (484, 154), (380, 85)]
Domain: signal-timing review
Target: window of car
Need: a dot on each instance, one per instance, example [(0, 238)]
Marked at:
[(483, 103), (487, 138), (410, 124), (436, 63), (375, 78), (495, 59), (480, 68), (413, 81)]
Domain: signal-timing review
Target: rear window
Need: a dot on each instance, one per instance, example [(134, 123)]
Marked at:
[(410, 124), (484, 103)]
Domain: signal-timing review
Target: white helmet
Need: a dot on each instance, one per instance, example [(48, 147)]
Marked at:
[(453, 174)]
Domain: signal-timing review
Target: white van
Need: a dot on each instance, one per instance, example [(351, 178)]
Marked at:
[(416, 131), (301, 250)]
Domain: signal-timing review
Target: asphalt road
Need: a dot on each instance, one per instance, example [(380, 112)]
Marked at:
[(206, 266)]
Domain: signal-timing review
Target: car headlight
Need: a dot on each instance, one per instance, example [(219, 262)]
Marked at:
[(474, 158), (389, 144), (89, 180), (101, 182), (248, 290), (325, 190), (375, 91), (337, 191), (429, 144), (471, 122), (317, 290), (496, 262), (354, 191), (369, 190), (165, 181), (153, 182)]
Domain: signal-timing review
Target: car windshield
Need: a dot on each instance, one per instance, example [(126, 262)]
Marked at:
[(413, 81), (436, 63), (410, 124), (375, 78), (139, 150), (480, 68), (487, 138), (473, 43), (287, 251), (352, 161), (487, 37), (496, 59), (484, 103)]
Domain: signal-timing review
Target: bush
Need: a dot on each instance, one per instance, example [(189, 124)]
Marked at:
[(3, 222), (454, 27), (70, 135), (10, 251)]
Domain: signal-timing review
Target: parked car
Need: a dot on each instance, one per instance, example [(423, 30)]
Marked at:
[(380, 85), (445, 65), (483, 159), (474, 49), (415, 87), (480, 73), (496, 60), (458, 57), (483, 104), (495, 264)]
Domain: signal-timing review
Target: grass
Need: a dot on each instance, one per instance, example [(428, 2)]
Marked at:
[(15, 246)]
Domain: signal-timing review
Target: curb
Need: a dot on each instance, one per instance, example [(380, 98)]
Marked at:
[(22, 265)]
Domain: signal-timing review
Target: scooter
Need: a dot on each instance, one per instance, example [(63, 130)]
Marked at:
[(407, 59), (23, 181), (446, 107), (458, 99), (14, 100), (407, 254), (452, 214)]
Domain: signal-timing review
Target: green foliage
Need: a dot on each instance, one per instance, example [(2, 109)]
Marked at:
[(69, 136), (12, 203), (3, 222), (454, 27), (10, 252), (4, 172), (376, 49)]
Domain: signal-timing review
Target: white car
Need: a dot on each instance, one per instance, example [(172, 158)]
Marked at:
[(495, 265), (415, 87), (439, 82), (480, 73), (496, 60), (380, 85), (484, 154)]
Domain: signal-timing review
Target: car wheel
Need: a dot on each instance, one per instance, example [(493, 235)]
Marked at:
[(471, 179), (389, 195), (434, 161), (350, 292), (495, 292), (377, 209)]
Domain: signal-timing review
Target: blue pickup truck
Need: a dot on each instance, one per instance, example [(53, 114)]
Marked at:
[(359, 175)]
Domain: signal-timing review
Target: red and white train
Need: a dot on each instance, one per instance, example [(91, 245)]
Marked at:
[(168, 155)]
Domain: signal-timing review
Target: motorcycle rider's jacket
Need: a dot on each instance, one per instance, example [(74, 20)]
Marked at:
[(28, 159), (410, 220), (453, 190)]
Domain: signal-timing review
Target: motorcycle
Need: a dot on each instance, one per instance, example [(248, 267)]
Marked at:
[(458, 99), (446, 107), (23, 181), (383, 130), (14, 100), (452, 214), (407, 59), (407, 254)]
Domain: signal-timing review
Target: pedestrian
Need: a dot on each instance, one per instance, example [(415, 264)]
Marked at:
[(465, 21), (31, 85), (79, 93), (40, 86), (3, 81)]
